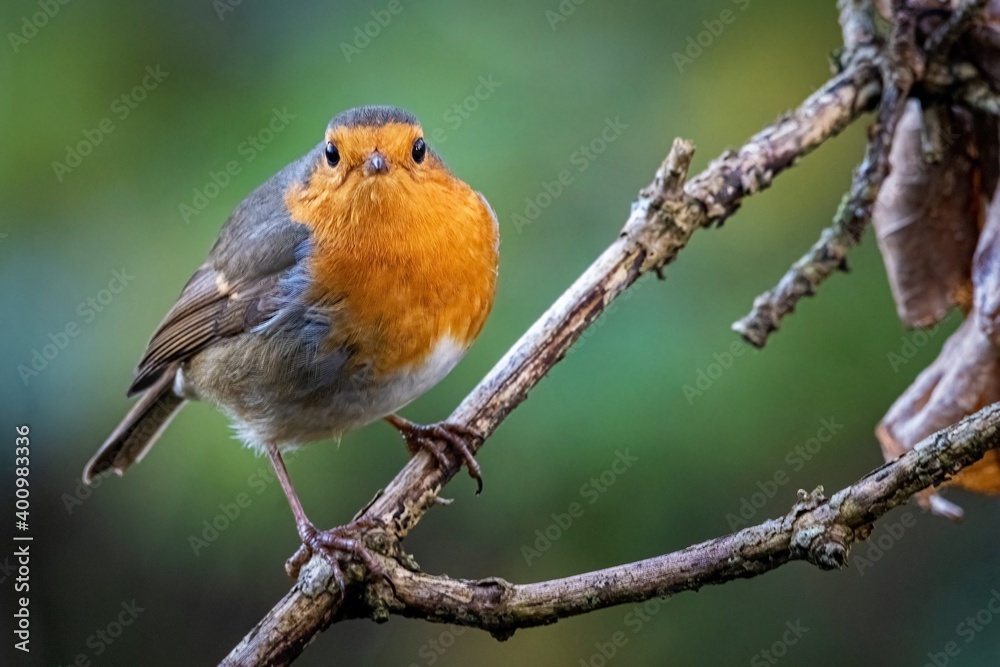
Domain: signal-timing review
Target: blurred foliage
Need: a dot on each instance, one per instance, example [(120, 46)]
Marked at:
[(555, 80)]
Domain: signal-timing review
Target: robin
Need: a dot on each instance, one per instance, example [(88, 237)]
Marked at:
[(337, 292)]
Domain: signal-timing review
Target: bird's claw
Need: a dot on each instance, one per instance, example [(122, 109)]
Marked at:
[(333, 545), (437, 439)]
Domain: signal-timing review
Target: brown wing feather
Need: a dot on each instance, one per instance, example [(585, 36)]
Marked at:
[(207, 310), (236, 288)]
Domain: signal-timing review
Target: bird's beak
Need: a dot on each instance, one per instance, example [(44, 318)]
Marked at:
[(376, 164)]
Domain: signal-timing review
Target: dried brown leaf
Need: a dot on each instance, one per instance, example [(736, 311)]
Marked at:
[(963, 379), (927, 217)]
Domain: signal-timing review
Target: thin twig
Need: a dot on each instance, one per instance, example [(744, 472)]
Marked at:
[(829, 254), (857, 22), (904, 66), (957, 24)]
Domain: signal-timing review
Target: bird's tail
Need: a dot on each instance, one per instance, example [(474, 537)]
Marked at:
[(138, 431)]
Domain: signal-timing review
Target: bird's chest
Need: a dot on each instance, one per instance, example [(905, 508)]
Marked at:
[(408, 315)]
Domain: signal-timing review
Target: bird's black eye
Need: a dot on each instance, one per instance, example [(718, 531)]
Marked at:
[(419, 150), (332, 154)]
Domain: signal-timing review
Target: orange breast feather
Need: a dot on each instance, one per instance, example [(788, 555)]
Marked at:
[(402, 261)]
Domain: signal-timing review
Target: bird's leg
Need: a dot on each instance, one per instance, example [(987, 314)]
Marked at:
[(343, 538), (436, 438)]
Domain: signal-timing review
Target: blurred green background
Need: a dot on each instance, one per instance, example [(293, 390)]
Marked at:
[(554, 81)]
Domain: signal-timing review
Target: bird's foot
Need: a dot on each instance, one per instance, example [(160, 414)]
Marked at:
[(438, 439), (336, 546)]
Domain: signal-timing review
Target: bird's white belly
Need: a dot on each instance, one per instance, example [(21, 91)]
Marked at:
[(355, 403), (407, 385)]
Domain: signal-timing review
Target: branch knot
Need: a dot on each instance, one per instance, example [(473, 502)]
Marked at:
[(819, 536)]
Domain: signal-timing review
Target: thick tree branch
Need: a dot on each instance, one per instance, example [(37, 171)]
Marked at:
[(661, 223), (818, 530)]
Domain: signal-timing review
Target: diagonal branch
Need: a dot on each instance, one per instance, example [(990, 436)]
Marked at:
[(661, 223), (829, 254), (817, 530), (904, 66), (857, 22)]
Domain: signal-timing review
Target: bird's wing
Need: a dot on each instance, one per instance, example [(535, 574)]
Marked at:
[(240, 285)]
